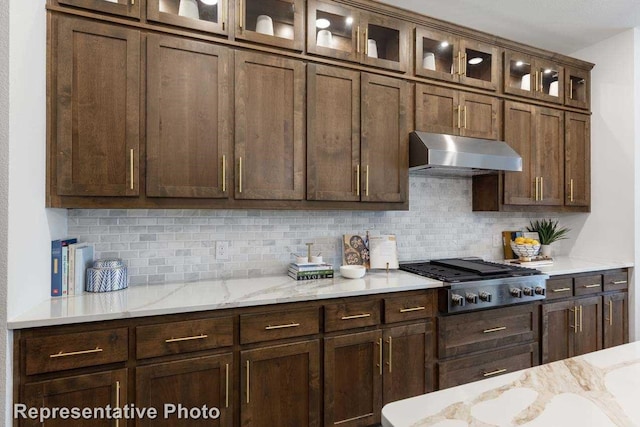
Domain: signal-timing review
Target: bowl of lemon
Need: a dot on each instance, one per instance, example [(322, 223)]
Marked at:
[(526, 248)]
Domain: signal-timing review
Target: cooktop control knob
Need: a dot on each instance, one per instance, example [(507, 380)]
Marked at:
[(485, 296), (540, 290), (516, 292), (471, 298), (457, 300), (527, 291)]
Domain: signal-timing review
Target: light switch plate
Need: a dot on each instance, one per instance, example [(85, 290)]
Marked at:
[(222, 250)]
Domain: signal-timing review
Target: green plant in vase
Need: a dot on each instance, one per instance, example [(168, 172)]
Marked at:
[(548, 232)]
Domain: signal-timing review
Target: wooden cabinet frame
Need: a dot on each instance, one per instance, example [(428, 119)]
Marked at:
[(221, 27), (297, 43)]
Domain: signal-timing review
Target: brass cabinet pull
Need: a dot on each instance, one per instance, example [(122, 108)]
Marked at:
[(76, 353), (224, 173), (408, 310), (226, 386), (595, 285), (348, 420), (580, 318), (390, 362), (465, 117), (357, 180), (131, 167), (288, 325), (380, 355), (356, 316), (240, 176), (248, 383), (117, 401), (358, 39), (541, 188), (133, 2), (562, 290), (618, 282), (366, 187), (571, 190), (574, 310), (570, 88), (492, 373), (240, 16), (610, 312), (537, 182), (195, 337), (501, 328)]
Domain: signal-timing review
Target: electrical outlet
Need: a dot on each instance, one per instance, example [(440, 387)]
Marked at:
[(497, 241), (222, 250)]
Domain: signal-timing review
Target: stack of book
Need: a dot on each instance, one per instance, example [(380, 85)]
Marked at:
[(69, 263), (310, 271)]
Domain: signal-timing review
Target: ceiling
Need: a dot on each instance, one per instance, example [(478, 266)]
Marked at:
[(563, 26)]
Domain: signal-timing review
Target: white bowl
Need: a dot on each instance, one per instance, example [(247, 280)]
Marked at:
[(352, 271)]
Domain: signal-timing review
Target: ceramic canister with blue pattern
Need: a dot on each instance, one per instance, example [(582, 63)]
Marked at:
[(107, 276)]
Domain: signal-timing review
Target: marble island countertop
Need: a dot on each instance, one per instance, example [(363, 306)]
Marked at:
[(171, 298), (596, 389)]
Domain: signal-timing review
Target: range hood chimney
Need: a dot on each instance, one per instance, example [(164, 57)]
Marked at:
[(440, 154)]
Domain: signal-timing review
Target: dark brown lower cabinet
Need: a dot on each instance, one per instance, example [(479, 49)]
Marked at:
[(191, 383), (353, 379), (280, 385), (571, 328), (82, 391), (616, 319)]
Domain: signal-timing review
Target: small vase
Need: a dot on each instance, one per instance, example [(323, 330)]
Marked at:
[(545, 251)]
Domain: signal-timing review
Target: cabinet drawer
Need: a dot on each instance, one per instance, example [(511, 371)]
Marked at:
[(559, 288), (338, 317), (76, 350), (473, 368), (616, 280), (183, 337), (587, 285), (399, 309), (487, 330), (279, 325)]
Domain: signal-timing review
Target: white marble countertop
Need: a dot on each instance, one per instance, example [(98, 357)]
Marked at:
[(565, 265), (597, 389), (170, 298)]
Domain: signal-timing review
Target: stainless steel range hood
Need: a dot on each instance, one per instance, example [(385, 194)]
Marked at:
[(440, 154)]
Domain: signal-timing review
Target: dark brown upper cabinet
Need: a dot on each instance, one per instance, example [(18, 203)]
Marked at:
[(97, 109), (526, 75), (211, 16), (577, 157), (343, 32), (129, 8), (443, 56), (577, 87), (269, 123), (188, 119), (272, 22)]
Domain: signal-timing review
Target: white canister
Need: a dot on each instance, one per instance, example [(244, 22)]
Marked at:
[(372, 48), (325, 38), (429, 61), (264, 25), (553, 89), (189, 9), (525, 84)]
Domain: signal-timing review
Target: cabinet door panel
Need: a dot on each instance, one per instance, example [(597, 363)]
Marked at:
[(550, 155), (190, 14), (344, 39), (519, 133), (436, 109), (333, 133), (385, 139), (270, 141), (616, 319), (353, 379), (97, 109), (577, 159), (559, 320), (281, 385), (480, 116), (589, 336), (191, 383), (577, 88), (188, 123), (287, 22), (479, 64), (83, 391), (436, 55), (389, 38)]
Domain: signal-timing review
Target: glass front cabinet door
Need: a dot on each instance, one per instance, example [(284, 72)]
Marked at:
[(342, 32), (525, 75), (577, 88), (273, 22), (443, 56), (203, 15), (130, 8)]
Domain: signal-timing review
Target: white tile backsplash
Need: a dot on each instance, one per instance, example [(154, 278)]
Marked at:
[(162, 245)]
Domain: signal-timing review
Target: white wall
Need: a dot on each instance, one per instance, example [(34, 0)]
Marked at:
[(609, 231)]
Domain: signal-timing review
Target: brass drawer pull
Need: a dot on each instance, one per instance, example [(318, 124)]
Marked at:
[(610, 304), (595, 285), (76, 353), (409, 310), (562, 290), (195, 337), (289, 325), (492, 373), (359, 417), (501, 328), (356, 316), (619, 282)]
